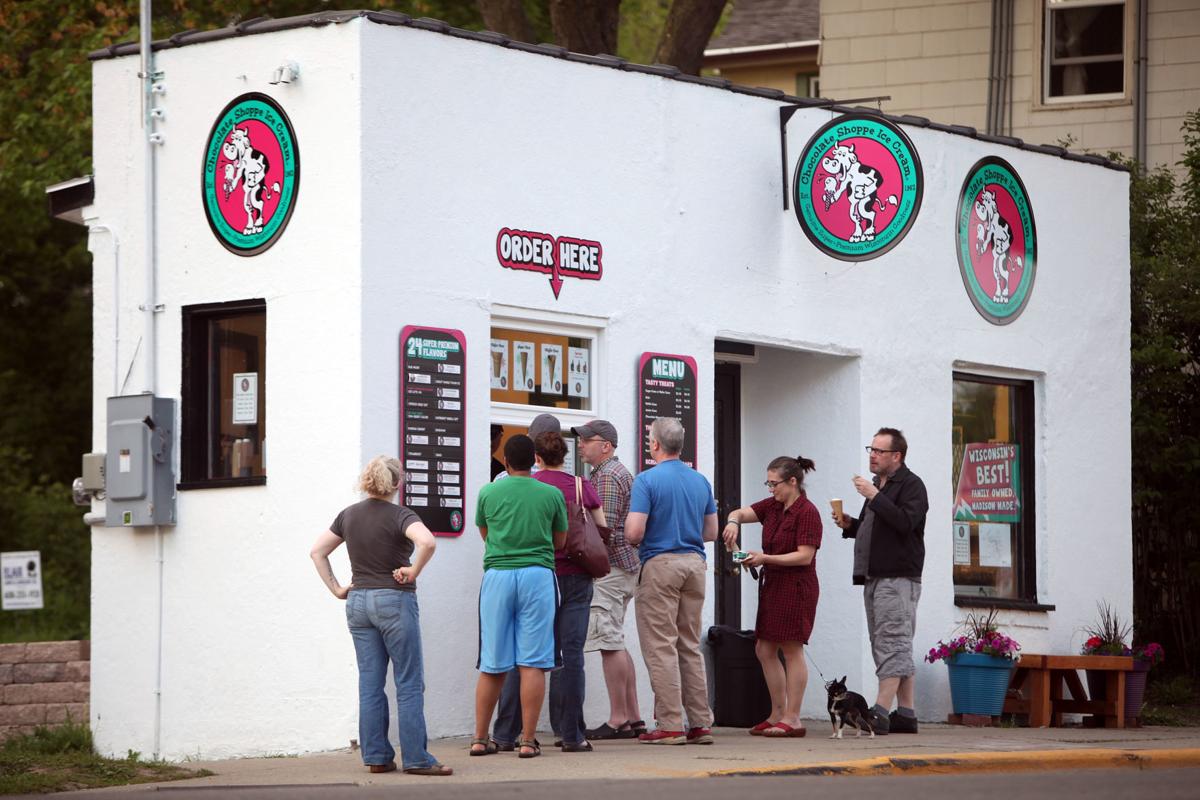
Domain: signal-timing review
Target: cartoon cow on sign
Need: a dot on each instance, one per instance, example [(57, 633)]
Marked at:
[(250, 167), (862, 182), (994, 230)]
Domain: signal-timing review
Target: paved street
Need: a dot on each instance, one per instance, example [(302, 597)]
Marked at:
[(945, 748), (1117, 784)]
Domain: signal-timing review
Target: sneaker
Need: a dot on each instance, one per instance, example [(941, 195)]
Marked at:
[(659, 736), (878, 723), (899, 724), (699, 736)]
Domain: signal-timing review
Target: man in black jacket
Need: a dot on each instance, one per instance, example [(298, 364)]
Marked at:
[(889, 554)]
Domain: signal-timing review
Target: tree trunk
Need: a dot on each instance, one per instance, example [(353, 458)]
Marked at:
[(586, 26), (507, 17), (689, 26)]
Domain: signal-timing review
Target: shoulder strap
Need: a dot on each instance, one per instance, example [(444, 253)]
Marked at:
[(578, 491)]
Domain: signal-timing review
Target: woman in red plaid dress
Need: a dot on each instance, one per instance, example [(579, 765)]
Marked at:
[(788, 591)]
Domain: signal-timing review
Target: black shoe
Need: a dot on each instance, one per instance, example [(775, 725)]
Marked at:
[(606, 731), (878, 723), (578, 747), (899, 724), (637, 726)]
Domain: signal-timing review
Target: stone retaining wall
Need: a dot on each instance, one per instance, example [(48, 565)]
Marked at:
[(43, 683)]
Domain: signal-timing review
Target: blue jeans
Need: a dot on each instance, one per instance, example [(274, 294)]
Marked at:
[(566, 684), (385, 624)]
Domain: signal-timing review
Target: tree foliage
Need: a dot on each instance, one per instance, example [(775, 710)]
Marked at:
[(1165, 314), (620, 27), (45, 268)]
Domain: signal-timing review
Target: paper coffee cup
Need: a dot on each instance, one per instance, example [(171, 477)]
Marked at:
[(836, 505)]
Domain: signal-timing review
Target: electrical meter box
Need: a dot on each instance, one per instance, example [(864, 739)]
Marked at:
[(139, 477)]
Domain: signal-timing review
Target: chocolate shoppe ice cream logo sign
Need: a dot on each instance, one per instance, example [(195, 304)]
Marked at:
[(250, 174), (996, 240), (857, 187)]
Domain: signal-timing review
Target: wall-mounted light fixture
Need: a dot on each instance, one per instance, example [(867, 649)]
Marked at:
[(285, 73)]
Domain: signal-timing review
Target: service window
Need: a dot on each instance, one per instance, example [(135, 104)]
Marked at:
[(1086, 48), (993, 515), (224, 425), (542, 367)]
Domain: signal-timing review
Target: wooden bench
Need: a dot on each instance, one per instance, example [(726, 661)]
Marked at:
[(1040, 680)]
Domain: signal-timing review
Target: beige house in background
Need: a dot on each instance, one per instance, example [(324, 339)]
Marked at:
[(771, 43), (1101, 74)]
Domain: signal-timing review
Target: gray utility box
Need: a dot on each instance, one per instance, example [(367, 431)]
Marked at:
[(140, 481)]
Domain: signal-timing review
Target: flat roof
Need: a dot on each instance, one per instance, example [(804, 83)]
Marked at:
[(260, 25)]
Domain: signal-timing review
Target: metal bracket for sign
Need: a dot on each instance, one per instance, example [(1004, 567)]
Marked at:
[(785, 114)]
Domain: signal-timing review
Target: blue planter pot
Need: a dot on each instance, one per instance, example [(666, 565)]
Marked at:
[(978, 683)]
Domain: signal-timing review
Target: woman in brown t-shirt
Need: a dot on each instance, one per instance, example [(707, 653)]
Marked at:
[(388, 546), (788, 590)]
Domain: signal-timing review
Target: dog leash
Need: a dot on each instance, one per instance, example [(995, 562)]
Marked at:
[(814, 664)]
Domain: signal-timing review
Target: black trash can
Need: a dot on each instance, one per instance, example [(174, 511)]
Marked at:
[(736, 689)]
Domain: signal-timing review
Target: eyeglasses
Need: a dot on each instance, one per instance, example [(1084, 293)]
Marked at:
[(772, 484), (878, 452)]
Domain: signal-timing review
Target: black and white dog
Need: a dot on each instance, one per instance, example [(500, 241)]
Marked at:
[(846, 706)]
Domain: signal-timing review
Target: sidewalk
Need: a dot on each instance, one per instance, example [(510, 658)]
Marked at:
[(938, 748)]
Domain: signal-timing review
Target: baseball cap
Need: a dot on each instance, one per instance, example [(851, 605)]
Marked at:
[(600, 427), (544, 423)]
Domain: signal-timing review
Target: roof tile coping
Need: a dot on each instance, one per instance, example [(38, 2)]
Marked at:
[(323, 18)]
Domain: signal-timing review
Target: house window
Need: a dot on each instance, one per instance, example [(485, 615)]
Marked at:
[(808, 85), (224, 425), (993, 514), (1086, 42)]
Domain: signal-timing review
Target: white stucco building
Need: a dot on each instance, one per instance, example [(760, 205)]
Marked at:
[(659, 198)]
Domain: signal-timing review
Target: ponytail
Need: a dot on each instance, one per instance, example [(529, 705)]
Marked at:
[(789, 468)]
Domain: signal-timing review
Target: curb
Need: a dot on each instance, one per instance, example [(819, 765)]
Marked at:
[(955, 763)]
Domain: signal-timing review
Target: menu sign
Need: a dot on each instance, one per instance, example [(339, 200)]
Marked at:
[(989, 484), (667, 388), (433, 425)]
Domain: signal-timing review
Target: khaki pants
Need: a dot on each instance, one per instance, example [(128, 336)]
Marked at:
[(669, 599)]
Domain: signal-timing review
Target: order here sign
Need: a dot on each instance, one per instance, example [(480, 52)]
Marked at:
[(989, 484)]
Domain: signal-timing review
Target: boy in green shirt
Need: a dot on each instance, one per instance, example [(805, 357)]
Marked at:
[(522, 522)]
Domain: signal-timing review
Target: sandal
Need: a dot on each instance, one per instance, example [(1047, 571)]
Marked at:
[(439, 770), (489, 747), (532, 744), (781, 730), (758, 729), (637, 726)]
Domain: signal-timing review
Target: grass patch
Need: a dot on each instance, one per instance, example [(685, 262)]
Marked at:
[(64, 757), (1172, 701)]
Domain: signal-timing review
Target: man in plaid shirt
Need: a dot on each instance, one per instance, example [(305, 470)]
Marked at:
[(612, 593)]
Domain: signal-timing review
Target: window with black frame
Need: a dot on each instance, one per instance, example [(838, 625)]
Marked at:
[(993, 514), (223, 425)]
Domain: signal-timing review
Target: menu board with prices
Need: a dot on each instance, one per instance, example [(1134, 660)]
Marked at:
[(433, 425), (667, 388)]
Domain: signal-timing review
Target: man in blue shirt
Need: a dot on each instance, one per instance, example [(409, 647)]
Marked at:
[(671, 515)]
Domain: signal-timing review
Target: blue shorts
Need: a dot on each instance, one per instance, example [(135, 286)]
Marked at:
[(516, 619)]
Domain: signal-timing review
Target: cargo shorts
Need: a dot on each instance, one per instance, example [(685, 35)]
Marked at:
[(610, 599), (891, 605)]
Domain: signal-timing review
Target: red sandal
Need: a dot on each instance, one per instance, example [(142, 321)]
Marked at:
[(781, 730), (758, 729)]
